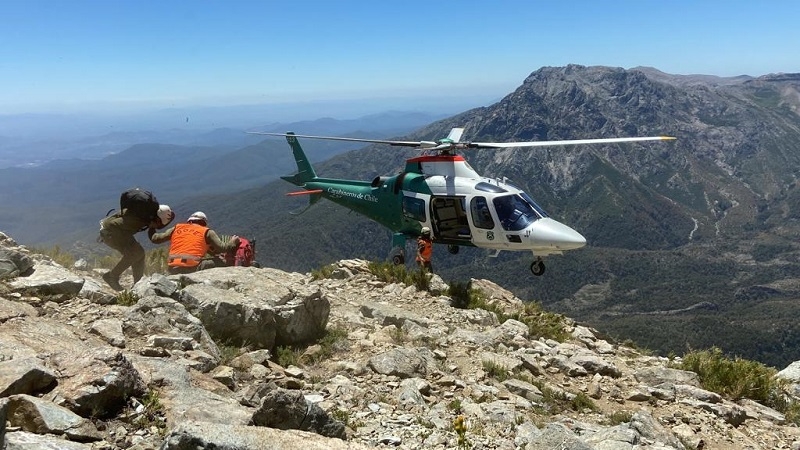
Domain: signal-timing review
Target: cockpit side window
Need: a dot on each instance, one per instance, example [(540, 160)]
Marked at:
[(481, 216), (514, 212), (530, 201)]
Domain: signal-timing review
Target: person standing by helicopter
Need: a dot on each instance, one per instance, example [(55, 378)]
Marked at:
[(424, 249)]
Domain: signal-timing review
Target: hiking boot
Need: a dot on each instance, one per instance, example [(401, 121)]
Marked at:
[(111, 281)]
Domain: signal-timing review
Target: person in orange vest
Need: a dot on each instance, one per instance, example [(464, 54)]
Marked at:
[(424, 249), (189, 244)]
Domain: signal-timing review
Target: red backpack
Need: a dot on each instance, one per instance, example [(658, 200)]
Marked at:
[(244, 255)]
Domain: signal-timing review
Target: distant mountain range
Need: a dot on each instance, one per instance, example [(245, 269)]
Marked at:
[(691, 243), (74, 193), (89, 137)]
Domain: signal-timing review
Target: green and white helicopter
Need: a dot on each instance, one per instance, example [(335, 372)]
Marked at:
[(442, 192)]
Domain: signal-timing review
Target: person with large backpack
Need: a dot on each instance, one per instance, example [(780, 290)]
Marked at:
[(139, 210), (191, 243)]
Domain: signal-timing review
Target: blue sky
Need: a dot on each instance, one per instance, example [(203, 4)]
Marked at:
[(83, 54)]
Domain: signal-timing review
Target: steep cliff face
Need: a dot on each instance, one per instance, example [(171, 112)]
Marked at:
[(248, 358)]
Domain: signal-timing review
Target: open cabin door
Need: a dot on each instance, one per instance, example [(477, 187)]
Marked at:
[(449, 218)]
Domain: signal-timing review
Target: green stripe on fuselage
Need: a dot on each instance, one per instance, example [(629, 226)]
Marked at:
[(380, 203)]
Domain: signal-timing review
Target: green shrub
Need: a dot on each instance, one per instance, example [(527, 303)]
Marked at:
[(127, 298), (391, 273), (343, 416), (459, 294), (582, 401), (463, 296), (287, 356), (228, 351), (334, 341), (540, 323), (420, 279), (736, 378), (56, 254), (495, 370), (618, 417), (556, 401), (152, 413), (323, 272), (156, 260), (388, 272), (455, 406)]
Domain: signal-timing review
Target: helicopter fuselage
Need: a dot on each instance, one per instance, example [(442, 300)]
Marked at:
[(460, 207)]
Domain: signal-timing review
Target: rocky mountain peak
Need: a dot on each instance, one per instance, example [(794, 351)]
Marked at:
[(253, 358)]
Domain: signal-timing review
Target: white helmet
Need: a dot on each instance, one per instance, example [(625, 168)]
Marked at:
[(198, 216), (165, 215), (425, 230)]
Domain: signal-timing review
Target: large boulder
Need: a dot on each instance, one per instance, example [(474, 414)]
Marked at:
[(98, 383), (163, 317), (14, 259), (259, 307), (290, 410)]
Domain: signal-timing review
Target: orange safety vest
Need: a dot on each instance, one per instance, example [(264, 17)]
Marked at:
[(188, 245), (425, 248)]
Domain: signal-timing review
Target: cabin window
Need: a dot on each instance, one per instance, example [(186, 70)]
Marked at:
[(481, 217), (414, 208)]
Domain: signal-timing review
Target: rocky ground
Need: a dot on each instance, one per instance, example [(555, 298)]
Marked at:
[(193, 362)]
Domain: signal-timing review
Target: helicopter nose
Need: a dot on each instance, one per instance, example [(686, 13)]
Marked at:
[(552, 233)]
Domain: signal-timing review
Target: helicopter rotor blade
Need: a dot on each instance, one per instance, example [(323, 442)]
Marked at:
[(567, 142), (419, 144), (453, 141), (455, 134)]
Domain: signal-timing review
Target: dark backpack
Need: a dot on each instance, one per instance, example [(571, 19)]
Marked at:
[(140, 203), (244, 255)]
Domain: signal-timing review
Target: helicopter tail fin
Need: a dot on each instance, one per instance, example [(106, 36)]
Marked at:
[(305, 172)]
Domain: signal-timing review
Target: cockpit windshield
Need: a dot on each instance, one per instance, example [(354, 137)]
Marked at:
[(516, 211), (534, 205)]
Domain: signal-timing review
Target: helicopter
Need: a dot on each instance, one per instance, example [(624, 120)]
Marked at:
[(441, 191)]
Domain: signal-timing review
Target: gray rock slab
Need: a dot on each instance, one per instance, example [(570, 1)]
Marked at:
[(25, 376), (23, 440), (48, 279), (195, 435)]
